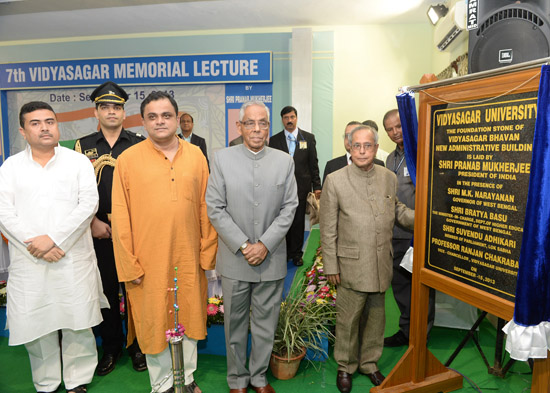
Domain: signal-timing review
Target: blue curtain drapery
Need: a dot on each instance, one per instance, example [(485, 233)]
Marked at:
[(533, 282), (409, 126)]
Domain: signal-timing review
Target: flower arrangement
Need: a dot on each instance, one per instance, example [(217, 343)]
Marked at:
[(176, 332), (318, 288), (214, 311), (3, 293), (303, 321)]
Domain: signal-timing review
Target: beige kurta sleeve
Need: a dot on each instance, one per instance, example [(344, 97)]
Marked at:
[(328, 222), (127, 264), (403, 215)]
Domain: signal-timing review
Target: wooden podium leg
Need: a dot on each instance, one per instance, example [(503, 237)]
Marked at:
[(541, 376), (419, 370), (438, 377)]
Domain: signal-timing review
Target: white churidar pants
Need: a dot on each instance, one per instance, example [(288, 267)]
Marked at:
[(77, 358)]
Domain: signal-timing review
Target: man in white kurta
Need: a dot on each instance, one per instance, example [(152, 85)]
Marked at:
[(48, 197)]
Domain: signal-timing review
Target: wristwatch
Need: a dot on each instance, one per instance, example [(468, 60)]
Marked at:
[(244, 245)]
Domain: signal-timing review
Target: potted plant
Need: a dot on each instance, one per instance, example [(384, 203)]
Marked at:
[(304, 321)]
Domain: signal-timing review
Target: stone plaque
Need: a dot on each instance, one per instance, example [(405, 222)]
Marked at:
[(480, 160)]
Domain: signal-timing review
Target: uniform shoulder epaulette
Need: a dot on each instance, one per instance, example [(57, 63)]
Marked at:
[(135, 134), (92, 135), (85, 140)]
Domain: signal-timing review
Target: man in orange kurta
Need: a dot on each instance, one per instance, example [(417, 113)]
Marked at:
[(160, 222)]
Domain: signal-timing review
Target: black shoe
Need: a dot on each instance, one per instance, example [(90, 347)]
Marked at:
[(107, 363), (298, 262), (376, 378), (138, 361), (343, 381), (397, 340)]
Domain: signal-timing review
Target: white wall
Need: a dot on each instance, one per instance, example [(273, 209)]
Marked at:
[(371, 63)]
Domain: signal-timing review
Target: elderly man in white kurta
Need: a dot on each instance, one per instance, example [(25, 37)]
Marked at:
[(48, 197)]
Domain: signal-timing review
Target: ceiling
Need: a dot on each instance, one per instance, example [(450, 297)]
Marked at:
[(66, 19)]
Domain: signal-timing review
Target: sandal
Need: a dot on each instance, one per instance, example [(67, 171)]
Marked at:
[(192, 388), (78, 389)]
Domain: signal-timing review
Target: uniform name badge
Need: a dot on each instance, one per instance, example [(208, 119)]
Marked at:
[(406, 172), (303, 145), (91, 153)]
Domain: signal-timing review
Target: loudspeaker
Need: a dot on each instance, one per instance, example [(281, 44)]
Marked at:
[(509, 32)]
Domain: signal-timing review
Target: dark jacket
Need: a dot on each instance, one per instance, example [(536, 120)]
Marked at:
[(306, 167), (201, 143)]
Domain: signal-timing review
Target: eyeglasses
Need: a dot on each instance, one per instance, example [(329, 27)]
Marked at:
[(358, 146), (251, 124)]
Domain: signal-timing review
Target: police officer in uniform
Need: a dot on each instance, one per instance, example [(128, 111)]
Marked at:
[(102, 148)]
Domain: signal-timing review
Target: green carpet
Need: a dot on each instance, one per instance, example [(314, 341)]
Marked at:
[(15, 374)]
